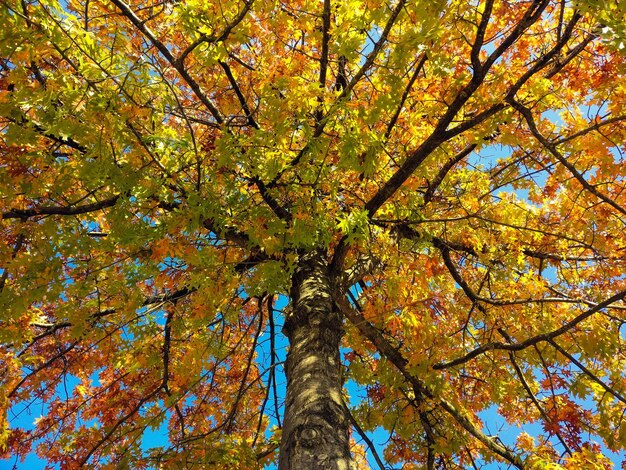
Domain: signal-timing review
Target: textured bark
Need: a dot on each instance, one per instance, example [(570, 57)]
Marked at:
[(315, 430)]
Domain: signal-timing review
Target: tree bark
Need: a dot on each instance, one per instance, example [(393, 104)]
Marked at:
[(316, 428)]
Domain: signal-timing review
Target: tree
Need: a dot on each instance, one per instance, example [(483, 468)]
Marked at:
[(437, 188)]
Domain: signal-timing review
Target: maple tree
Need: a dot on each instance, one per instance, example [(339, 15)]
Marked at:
[(437, 188)]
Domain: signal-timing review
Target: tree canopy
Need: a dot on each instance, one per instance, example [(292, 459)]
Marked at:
[(425, 199)]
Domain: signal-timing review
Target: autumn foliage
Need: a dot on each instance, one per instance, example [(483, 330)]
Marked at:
[(458, 165)]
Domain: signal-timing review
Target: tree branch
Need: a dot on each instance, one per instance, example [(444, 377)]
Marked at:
[(240, 97), (368, 441), (552, 148), (587, 372), (480, 36), (441, 133), (178, 65), (531, 395), (405, 95), (443, 171), (61, 210), (492, 346), (204, 38), (395, 357)]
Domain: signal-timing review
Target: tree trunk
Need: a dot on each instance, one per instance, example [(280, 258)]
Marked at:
[(316, 428)]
